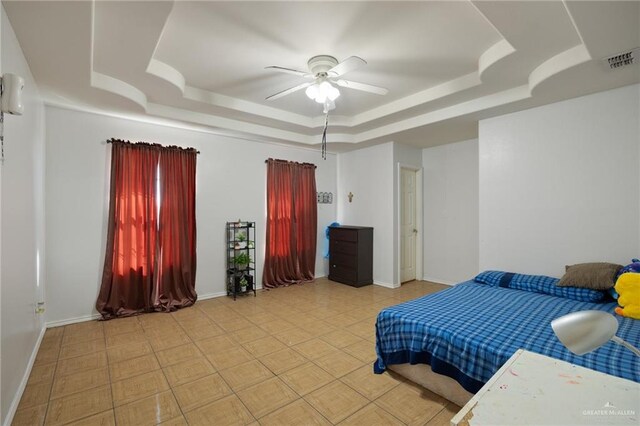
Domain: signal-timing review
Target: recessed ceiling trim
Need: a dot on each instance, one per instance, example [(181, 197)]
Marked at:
[(493, 55), (118, 87), (453, 111), (167, 73), (558, 63), (431, 94)]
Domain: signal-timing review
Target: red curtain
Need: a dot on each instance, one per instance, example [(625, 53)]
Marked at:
[(292, 218), (177, 239), (150, 258), (127, 280)]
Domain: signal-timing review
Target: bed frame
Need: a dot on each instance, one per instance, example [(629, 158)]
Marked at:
[(444, 386)]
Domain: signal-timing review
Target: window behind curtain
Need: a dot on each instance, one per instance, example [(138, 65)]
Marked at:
[(291, 226)]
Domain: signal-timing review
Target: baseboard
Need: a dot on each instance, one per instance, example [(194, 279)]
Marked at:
[(438, 281), (59, 323), (25, 378), (211, 295), (383, 284)]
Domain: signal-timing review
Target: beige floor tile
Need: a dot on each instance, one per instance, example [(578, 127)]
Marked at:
[(42, 373), (275, 326), (336, 401), (200, 392), (77, 382), (265, 397), (315, 348), (133, 367), (138, 387), (340, 338), (148, 411), (365, 329), (261, 317), (159, 319), (293, 336), (79, 405), (178, 421), (266, 345), (73, 338), (443, 418), (229, 358), (122, 353), (372, 415), (226, 411), (232, 324), (248, 334), (81, 363), (306, 378), (122, 325), (369, 384), (106, 418), (83, 327), (35, 394), (170, 340), (245, 375), (188, 371), (47, 355), (216, 344), (53, 332), (317, 328), (297, 413), (283, 360), (205, 332), (78, 349), (33, 416), (343, 320), (411, 407), (364, 350), (178, 354), (126, 338), (338, 363)]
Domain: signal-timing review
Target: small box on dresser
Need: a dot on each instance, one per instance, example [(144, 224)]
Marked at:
[(351, 255)]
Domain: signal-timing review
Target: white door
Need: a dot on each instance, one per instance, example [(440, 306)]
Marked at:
[(408, 225)]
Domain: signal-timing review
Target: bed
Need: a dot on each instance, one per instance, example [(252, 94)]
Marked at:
[(466, 333)]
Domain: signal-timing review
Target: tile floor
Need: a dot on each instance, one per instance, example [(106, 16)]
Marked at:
[(300, 355)]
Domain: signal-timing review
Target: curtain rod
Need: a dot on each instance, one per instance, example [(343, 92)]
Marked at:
[(153, 145), (292, 162)]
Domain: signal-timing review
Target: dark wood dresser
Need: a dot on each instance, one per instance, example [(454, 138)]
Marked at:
[(351, 255)]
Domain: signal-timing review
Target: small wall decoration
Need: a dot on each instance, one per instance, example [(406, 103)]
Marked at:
[(325, 197), (350, 195)]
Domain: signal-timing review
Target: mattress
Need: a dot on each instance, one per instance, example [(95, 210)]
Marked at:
[(469, 331)]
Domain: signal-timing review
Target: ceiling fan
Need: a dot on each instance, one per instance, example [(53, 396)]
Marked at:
[(325, 72)]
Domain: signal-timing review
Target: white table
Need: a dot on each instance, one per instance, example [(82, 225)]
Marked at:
[(532, 389)]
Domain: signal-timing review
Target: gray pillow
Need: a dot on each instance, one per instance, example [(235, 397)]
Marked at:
[(596, 276)]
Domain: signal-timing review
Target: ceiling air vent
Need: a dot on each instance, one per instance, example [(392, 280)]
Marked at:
[(623, 59)]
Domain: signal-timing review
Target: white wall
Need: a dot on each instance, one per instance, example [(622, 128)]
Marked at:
[(451, 212), (368, 174), (559, 184), (231, 184), (21, 229)]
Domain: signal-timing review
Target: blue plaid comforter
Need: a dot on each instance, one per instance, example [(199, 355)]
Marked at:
[(469, 331)]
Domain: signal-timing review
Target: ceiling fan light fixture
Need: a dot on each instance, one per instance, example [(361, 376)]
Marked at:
[(321, 92)]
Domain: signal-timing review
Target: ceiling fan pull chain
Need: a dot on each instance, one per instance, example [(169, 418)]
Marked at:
[(324, 136)]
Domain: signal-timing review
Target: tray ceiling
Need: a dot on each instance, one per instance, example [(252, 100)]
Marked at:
[(446, 64)]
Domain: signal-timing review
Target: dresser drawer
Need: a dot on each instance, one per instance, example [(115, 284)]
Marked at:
[(348, 260), (345, 247), (337, 234), (342, 273)]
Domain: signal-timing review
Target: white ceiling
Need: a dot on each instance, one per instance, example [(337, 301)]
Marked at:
[(446, 64)]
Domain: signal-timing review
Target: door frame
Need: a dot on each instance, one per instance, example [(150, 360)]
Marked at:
[(419, 218)]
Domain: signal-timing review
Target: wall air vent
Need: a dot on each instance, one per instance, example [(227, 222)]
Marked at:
[(623, 59)]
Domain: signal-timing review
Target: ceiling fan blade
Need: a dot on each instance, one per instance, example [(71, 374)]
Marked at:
[(361, 86), (289, 71), (288, 91), (349, 64)]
